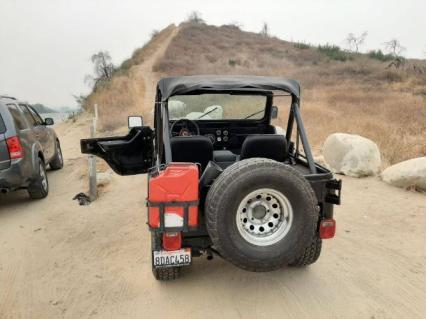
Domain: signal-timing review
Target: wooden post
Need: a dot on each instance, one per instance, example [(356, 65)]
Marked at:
[(93, 184)]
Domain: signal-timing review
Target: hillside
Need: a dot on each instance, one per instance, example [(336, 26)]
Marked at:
[(354, 93)]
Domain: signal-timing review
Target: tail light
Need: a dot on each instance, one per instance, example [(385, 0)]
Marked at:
[(172, 241), (327, 228), (15, 148)]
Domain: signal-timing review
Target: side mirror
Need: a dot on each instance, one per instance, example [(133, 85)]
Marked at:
[(135, 121), (49, 121), (274, 112)]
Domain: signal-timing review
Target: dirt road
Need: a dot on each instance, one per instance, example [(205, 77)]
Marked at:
[(61, 260)]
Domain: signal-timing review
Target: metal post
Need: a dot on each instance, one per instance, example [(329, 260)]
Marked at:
[(93, 185)]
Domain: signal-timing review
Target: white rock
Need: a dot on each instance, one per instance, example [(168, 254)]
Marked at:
[(352, 155), (177, 109), (411, 173), (279, 130), (196, 116), (320, 160)]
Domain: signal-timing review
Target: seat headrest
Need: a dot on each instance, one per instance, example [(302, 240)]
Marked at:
[(272, 146), (194, 149)]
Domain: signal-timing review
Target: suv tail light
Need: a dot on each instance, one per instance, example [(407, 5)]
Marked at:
[(15, 148)]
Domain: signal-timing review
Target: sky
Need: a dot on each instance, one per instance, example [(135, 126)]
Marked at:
[(45, 45)]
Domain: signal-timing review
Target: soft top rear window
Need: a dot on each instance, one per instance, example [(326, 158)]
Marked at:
[(2, 126), (217, 106)]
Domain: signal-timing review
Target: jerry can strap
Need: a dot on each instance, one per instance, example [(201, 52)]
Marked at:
[(162, 205)]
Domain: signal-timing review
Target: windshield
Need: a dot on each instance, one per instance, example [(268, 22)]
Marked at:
[(217, 107)]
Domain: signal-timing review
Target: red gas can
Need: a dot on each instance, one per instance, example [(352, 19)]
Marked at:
[(177, 184)]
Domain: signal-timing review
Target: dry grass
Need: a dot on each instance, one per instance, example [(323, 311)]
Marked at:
[(359, 96), (123, 96)]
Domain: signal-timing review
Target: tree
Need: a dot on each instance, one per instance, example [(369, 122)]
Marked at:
[(103, 69), (355, 42), (395, 49), (265, 30), (80, 99), (195, 17)]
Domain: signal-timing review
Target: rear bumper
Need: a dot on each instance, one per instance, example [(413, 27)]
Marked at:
[(13, 177)]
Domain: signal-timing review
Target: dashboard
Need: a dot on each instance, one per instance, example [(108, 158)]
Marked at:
[(223, 135), (219, 136)]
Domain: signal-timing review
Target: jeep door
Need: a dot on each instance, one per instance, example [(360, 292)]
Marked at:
[(126, 155)]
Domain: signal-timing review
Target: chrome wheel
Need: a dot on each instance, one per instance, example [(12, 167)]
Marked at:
[(264, 217), (43, 177)]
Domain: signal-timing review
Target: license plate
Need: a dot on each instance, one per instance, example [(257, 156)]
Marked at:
[(165, 258)]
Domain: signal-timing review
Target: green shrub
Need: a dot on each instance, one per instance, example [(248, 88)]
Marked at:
[(379, 55), (334, 52), (233, 62), (301, 45)]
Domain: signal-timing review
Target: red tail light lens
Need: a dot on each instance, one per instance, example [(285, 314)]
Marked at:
[(327, 228), (172, 241), (15, 148)]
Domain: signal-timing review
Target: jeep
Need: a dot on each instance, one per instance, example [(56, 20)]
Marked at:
[(222, 180)]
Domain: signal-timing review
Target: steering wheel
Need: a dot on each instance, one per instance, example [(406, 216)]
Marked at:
[(184, 130)]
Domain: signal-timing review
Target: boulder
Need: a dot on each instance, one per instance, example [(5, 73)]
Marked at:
[(279, 130), (177, 109), (411, 173), (196, 116), (351, 155)]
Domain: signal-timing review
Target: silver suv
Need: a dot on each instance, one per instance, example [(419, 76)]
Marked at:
[(27, 146)]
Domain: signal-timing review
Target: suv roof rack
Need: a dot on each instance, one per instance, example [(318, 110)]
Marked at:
[(7, 97)]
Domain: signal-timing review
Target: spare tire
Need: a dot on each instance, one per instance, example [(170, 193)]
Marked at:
[(261, 214)]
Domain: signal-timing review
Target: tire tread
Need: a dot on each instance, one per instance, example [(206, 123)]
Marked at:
[(217, 192)]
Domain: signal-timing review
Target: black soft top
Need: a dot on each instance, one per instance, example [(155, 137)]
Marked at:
[(186, 84)]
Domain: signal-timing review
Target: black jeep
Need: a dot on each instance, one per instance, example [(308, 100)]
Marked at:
[(222, 179)]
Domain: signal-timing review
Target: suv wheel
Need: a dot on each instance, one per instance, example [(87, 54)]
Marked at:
[(58, 160), (261, 214), (39, 188)]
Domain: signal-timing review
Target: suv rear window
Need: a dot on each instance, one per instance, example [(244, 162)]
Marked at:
[(17, 117), (2, 126)]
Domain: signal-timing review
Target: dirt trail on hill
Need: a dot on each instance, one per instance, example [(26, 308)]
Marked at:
[(151, 78), (61, 260)]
